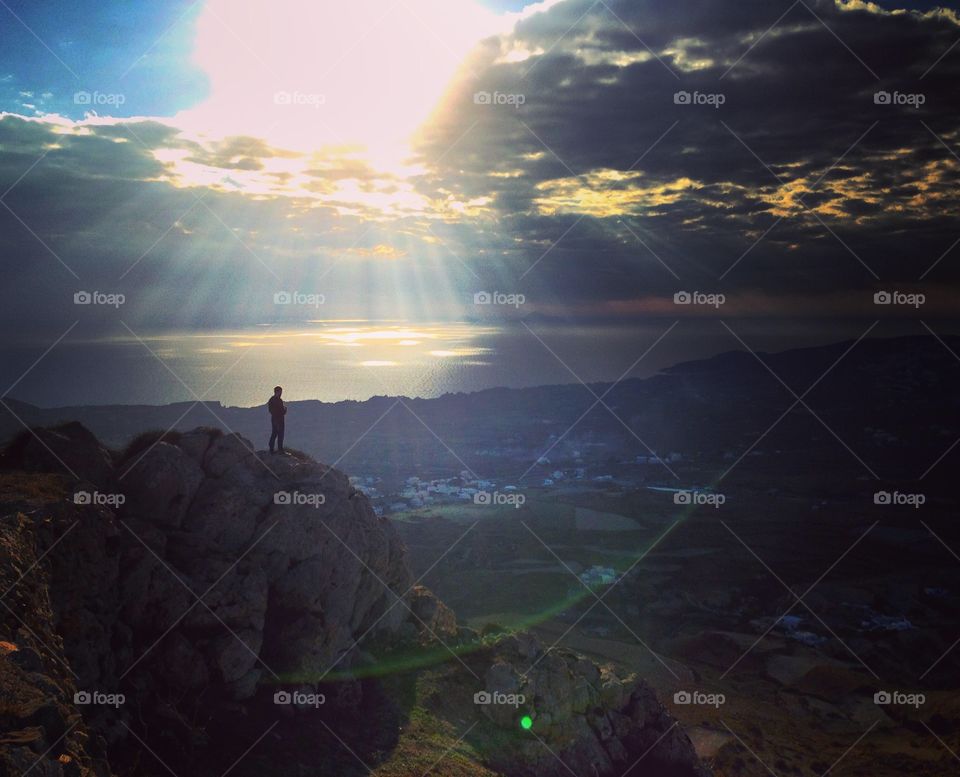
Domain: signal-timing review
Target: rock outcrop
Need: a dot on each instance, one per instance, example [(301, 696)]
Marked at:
[(263, 565), (170, 592), (583, 718), (42, 730), (193, 568)]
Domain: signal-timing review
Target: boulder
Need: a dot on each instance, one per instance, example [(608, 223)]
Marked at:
[(70, 448), (595, 722), (432, 615), (159, 485), (231, 455), (223, 514)]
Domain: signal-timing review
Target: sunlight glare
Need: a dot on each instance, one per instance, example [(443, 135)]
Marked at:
[(360, 74)]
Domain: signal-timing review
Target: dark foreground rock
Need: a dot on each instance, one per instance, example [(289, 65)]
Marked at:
[(583, 718), (183, 579), (170, 607)]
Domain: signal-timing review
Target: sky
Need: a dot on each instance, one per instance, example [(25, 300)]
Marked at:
[(221, 164)]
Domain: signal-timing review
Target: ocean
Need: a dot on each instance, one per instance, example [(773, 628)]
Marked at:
[(334, 361)]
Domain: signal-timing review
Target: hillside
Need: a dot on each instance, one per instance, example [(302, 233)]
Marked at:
[(191, 606)]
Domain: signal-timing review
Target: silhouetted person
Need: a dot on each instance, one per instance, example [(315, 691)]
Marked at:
[(277, 411)]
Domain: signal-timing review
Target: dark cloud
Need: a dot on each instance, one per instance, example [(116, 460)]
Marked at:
[(599, 195), (599, 93)]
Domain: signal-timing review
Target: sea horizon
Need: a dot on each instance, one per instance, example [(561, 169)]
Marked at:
[(355, 362)]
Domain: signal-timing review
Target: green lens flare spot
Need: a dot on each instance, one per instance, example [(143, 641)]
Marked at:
[(526, 722)]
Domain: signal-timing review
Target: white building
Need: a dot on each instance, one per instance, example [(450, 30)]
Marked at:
[(598, 575)]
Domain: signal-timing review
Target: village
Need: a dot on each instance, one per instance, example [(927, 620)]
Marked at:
[(392, 495)]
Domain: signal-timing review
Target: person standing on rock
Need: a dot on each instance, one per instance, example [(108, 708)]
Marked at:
[(277, 412)]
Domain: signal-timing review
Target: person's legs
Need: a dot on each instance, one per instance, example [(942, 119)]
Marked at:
[(280, 426), (275, 431)]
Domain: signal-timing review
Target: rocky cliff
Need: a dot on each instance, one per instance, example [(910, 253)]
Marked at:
[(189, 604)]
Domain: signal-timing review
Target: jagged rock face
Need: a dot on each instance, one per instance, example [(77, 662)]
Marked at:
[(221, 570), (591, 721), (257, 566), (160, 485), (41, 730), (432, 619)]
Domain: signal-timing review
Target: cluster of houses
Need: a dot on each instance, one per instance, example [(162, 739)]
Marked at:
[(597, 575), (416, 492), (670, 458), (578, 473), (419, 492)]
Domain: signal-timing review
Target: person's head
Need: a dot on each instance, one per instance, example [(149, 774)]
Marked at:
[(277, 390)]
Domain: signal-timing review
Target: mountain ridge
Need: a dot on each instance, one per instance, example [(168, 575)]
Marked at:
[(889, 400)]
